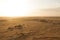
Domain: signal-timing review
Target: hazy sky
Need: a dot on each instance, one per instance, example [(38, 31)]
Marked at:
[(25, 7)]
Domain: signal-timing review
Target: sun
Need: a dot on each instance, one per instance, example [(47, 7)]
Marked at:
[(14, 8), (21, 12), (17, 8), (16, 12)]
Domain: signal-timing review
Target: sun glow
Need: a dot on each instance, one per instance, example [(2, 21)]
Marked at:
[(16, 8), (12, 8)]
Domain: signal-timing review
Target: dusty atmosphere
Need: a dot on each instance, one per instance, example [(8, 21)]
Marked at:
[(30, 28), (29, 19)]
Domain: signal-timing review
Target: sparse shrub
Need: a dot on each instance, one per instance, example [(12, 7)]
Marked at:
[(36, 19), (43, 20), (10, 28), (18, 27)]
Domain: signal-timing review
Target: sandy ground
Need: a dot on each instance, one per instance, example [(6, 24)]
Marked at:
[(30, 28)]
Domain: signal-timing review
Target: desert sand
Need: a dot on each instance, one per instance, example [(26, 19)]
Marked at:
[(30, 28)]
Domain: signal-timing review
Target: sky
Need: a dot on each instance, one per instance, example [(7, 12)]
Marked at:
[(29, 7)]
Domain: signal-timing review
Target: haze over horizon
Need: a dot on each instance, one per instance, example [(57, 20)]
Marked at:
[(29, 8)]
